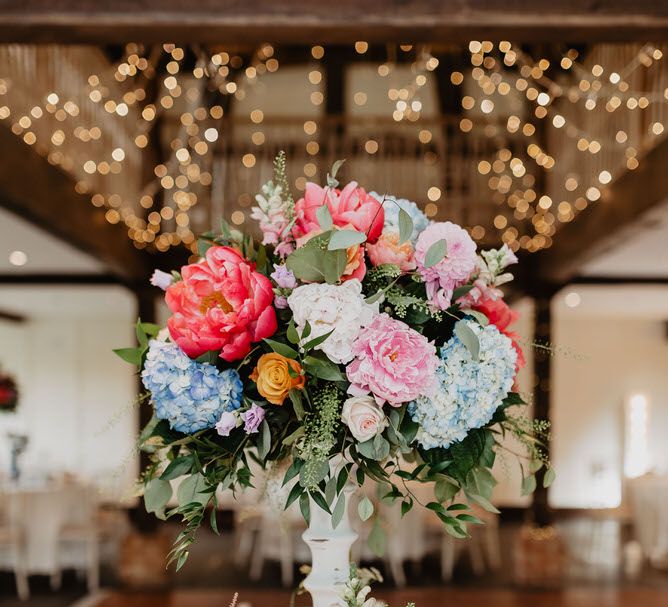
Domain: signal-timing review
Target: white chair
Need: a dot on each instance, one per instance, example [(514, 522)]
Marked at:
[(12, 544)]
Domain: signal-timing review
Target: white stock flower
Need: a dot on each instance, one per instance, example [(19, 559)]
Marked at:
[(326, 307)]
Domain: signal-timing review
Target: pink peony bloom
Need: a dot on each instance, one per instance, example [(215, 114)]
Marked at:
[(388, 250), (351, 206), (223, 304), (502, 316), (454, 269), (392, 361)]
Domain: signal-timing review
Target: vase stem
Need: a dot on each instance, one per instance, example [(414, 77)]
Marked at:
[(330, 554)]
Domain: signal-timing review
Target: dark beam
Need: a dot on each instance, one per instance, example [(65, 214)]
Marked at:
[(597, 228), (59, 279), (44, 195), (620, 280), (12, 317), (212, 21)]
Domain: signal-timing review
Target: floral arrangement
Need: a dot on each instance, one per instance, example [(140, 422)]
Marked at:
[(9, 393), (356, 332)]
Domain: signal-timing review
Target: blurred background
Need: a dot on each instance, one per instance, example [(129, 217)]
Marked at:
[(548, 135)]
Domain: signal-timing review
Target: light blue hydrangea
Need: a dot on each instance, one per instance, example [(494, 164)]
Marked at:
[(469, 391), (391, 207), (191, 396)]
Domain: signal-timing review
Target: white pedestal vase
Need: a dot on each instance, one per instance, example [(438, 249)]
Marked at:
[(330, 552)]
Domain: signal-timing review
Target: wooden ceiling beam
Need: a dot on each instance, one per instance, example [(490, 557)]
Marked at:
[(599, 227), (234, 21), (45, 196)]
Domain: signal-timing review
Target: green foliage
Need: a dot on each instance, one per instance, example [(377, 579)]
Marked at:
[(314, 262), (435, 253)]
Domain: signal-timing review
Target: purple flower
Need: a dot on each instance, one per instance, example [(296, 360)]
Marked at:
[(283, 277), (253, 418), (228, 421), (281, 302), (161, 279)]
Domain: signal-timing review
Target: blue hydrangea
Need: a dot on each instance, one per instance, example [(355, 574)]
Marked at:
[(191, 396), (420, 221), (469, 391)]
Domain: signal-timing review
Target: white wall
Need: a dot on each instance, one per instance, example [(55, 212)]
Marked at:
[(612, 345), (76, 395)]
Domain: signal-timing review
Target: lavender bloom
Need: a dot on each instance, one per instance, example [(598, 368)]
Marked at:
[(228, 421), (283, 277), (253, 418), (161, 279)]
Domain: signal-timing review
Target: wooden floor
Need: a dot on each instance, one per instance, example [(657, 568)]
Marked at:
[(423, 597)]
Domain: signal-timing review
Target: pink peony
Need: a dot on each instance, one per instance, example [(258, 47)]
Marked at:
[(392, 361), (388, 250), (454, 269), (351, 206), (223, 304)]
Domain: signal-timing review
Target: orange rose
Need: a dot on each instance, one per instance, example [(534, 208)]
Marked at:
[(273, 379)]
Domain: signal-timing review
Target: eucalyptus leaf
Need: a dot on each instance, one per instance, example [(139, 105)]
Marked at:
[(193, 489), (264, 440), (405, 226), (339, 510), (445, 490), (336, 166), (324, 217), (435, 253), (481, 501), (479, 316), (549, 477), (377, 539), (528, 484), (296, 398), (156, 495), (342, 239), (365, 509), (305, 507), (178, 467), (468, 337)]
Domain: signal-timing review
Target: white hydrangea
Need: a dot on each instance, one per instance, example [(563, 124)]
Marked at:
[(468, 391), (338, 307)]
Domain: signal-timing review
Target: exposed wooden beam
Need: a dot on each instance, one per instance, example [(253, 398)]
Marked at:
[(12, 317), (620, 280), (232, 21), (44, 195), (16, 278), (598, 227)]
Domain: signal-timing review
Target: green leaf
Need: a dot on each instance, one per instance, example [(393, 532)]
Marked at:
[(213, 521), (481, 501), (151, 329), (314, 263), (193, 489), (365, 509), (295, 492), (203, 246), (296, 398), (342, 478), (406, 506), (550, 476), (376, 448), (323, 369), (342, 239), (208, 357), (336, 166), (156, 495), (375, 297), (339, 510), (316, 341), (332, 181), (264, 440), (292, 471), (377, 539), (461, 291), (405, 226), (294, 437), (281, 348), (479, 316), (468, 337), (305, 507), (313, 472), (130, 355), (319, 499), (435, 253), (178, 467), (330, 490), (324, 217), (528, 484), (292, 335), (445, 490)]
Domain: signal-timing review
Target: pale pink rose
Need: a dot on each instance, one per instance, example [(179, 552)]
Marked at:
[(364, 417), (351, 206), (388, 250), (454, 269), (392, 361)]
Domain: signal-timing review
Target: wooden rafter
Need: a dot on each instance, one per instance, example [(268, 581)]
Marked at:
[(45, 196), (92, 21), (597, 228)]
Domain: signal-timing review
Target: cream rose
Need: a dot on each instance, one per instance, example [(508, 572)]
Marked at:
[(364, 417)]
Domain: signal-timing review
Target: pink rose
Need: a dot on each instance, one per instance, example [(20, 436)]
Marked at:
[(388, 250), (392, 361), (351, 206), (364, 417), (454, 269), (223, 304)]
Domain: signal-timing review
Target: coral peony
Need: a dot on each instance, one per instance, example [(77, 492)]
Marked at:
[(454, 269), (388, 250), (274, 378), (392, 361), (351, 206), (223, 304), (502, 316)]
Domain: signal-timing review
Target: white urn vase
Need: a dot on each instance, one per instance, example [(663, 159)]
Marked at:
[(330, 552)]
